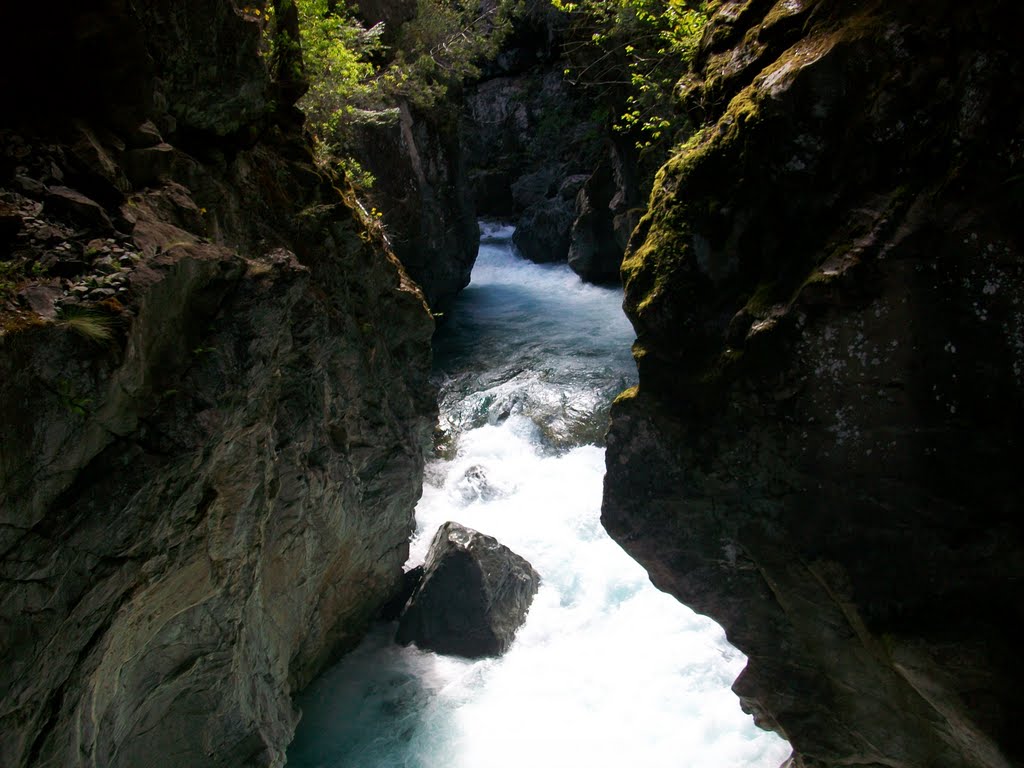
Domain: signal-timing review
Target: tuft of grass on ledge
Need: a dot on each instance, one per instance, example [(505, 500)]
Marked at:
[(89, 325)]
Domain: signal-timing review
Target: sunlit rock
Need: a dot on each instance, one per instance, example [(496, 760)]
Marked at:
[(213, 387)]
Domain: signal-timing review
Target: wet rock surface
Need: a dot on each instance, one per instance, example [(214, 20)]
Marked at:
[(607, 211), (542, 232), (823, 450), (473, 597), (214, 392)]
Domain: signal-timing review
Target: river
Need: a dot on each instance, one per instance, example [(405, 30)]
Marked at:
[(607, 672)]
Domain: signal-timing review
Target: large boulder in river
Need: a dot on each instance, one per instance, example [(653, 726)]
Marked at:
[(473, 597)]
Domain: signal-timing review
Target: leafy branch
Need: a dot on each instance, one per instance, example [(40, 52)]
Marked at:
[(634, 52), (354, 79)]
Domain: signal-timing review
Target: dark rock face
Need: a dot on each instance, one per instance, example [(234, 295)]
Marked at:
[(498, 124), (424, 195), (542, 232), (116, 81), (522, 119), (474, 595), (391, 13), (532, 137), (209, 75), (392, 610), (607, 211), (214, 388), (824, 449)]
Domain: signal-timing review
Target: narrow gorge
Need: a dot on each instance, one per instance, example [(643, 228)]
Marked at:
[(262, 332), (606, 670)]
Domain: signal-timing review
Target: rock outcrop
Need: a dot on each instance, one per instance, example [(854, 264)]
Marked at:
[(823, 453), (473, 597), (541, 151), (214, 392), (521, 119), (607, 211), (422, 191), (543, 230)]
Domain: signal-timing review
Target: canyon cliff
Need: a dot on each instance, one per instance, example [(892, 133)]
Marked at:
[(823, 452), (214, 394)]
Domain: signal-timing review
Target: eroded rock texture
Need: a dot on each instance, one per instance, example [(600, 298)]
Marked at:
[(213, 388), (824, 450)]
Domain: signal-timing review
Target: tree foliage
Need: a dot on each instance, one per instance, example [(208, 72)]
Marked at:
[(445, 44), (633, 53), (354, 79)]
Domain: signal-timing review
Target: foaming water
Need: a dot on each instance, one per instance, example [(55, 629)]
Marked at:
[(607, 671), (534, 340)]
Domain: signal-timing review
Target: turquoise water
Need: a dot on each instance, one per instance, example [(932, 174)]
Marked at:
[(607, 672)]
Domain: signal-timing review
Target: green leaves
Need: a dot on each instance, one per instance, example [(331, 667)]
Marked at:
[(337, 52), (635, 51), (354, 79)]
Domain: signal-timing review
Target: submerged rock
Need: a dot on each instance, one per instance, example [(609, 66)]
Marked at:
[(476, 484), (474, 595)]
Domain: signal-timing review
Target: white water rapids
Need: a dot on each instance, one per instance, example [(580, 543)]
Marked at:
[(607, 672)]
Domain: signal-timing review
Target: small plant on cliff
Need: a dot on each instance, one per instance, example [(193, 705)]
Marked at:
[(89, 325), (71, 400), (633, 53), (7, 284)]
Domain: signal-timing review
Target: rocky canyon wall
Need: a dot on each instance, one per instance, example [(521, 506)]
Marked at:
[(515, 140), (213, 388), (540, 151), (423, 192), (823, 452), (414, 152)]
